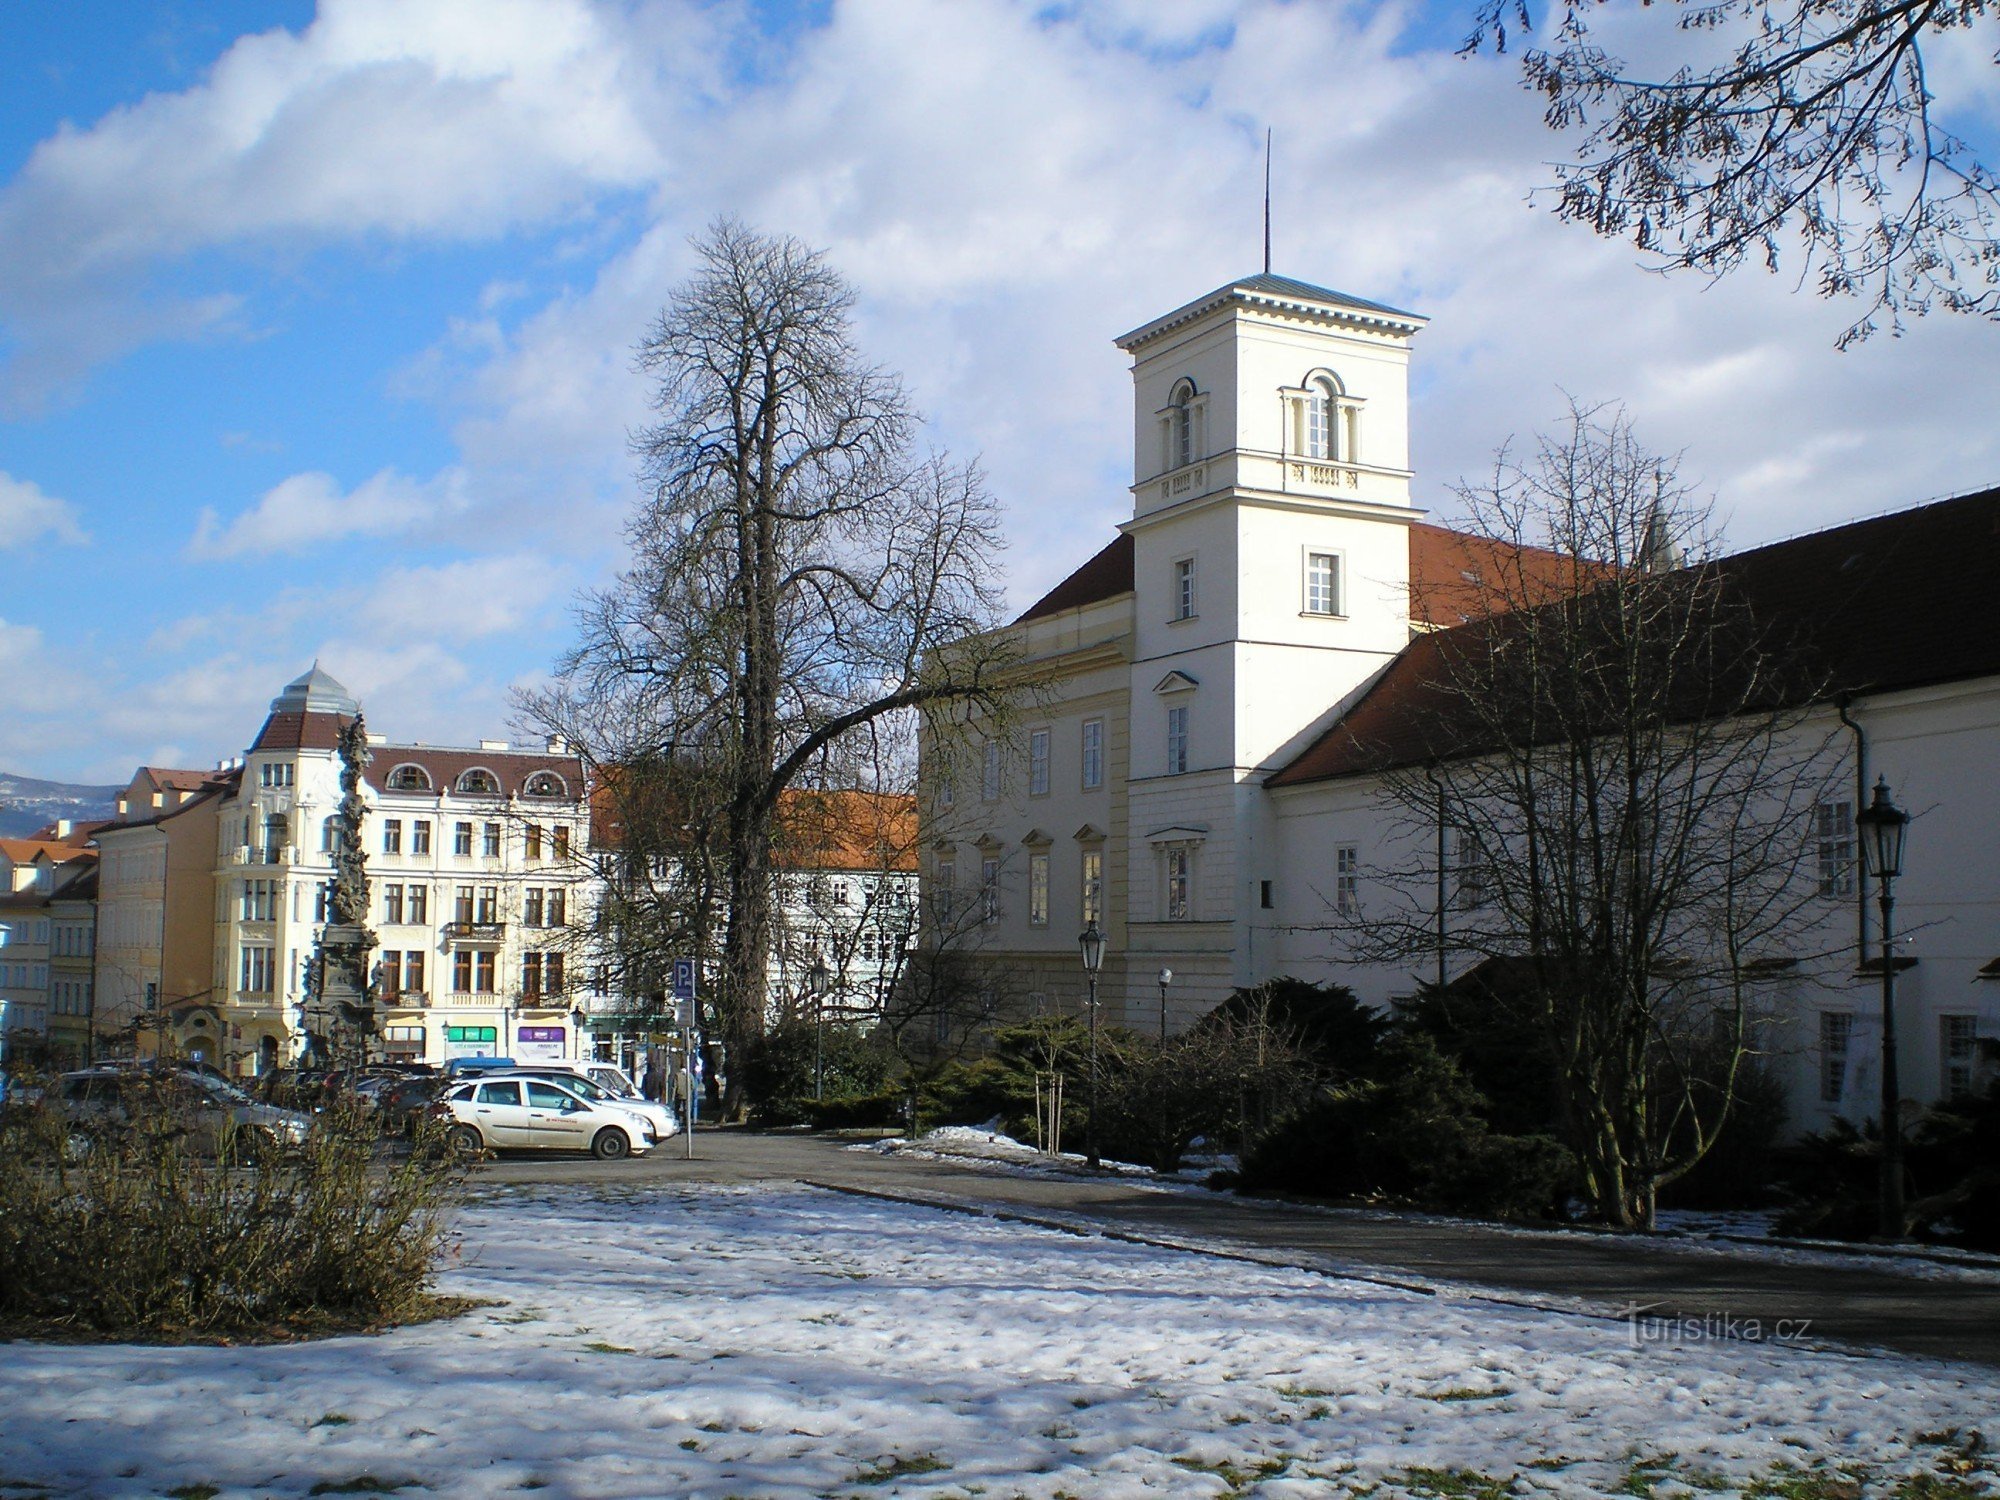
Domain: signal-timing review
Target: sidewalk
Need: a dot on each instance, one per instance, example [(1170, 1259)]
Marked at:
[(1700, 1288)]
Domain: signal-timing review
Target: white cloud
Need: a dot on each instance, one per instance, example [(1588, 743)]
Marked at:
[(27, 515), (403, 119), (308, 510), (461, 601)]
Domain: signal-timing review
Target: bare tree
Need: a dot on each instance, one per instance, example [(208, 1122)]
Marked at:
[(1808, 123), (1607, 785), (796, 569)]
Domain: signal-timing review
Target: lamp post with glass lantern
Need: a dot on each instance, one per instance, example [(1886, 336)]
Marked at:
[(816, 977), (1166, 978), (576, 1020), (1091, 941), (1882, 825)]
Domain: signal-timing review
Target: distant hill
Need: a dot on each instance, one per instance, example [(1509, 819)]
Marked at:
[(27, 804)]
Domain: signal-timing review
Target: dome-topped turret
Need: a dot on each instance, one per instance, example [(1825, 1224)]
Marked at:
[(315, 692)]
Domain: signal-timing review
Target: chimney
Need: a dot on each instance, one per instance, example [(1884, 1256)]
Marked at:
[(63, 827), (378, 739), (558, 745), (493, 744)]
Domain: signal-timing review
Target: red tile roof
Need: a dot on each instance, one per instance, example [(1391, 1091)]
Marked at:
[(1450, 574), (1105, 576), (1899, 601), (511, 768)]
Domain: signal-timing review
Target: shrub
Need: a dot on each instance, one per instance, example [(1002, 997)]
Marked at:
[(1951, 1164), (785, 1070), (1411, 1133), (129, 1232)]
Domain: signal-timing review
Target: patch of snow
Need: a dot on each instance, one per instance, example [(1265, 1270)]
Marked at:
[(782, 1342)]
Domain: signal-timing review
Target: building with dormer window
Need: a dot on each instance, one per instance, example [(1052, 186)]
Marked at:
[(1225, 683)]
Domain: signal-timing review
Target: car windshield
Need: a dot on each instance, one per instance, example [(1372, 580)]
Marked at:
[(222, 1088), (615, 1081)]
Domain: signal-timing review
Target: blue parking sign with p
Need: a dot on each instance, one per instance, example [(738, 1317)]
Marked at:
[(684, 979)]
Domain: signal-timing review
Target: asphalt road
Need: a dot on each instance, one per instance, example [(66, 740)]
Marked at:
[(1699, 1292)]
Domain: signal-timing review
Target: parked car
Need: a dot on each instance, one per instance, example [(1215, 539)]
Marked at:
[(539, 1114), (216, 1114), (664, 1122)]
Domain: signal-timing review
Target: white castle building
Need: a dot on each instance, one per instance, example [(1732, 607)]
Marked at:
[(1231, 673)]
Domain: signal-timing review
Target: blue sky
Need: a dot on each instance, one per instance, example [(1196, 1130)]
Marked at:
[(316, 320)]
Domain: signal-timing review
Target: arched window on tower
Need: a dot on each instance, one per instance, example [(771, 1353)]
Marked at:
[(1321, 426), (1180, 426)]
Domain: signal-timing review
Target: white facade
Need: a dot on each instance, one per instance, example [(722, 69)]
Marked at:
[(477, 889), (1267, 587)]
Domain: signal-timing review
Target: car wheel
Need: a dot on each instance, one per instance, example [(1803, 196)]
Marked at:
[(253, 1147), (611, 1144), (464, 1140)]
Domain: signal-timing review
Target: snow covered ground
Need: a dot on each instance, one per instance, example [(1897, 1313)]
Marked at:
[(778, 1342)]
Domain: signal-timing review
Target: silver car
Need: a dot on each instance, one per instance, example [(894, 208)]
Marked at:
[(661, 1117), (217, 1116), (539, 1114)]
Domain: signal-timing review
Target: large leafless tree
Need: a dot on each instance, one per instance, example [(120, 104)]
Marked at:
[(797, 566), (1759, 129), (1609, 791)]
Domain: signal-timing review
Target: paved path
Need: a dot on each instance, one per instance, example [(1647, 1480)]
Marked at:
[(1702, 1289)]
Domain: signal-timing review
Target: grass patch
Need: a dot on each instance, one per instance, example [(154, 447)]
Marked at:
[(1789, 1482), (334, 1419), (598, 1346), (900, 1466), (365, 1484), (194, 1492), (1454, 1484), (1467, 1393), (1238, 1479)]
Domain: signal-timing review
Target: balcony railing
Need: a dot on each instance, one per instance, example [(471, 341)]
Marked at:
[(478, 932)]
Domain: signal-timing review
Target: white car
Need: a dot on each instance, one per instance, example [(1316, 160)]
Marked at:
[(662, 1118), (540, 1114)]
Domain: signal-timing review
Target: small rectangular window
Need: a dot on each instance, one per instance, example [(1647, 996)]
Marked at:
[(559, 841), (490, 843), (989, 891), (420, 904), (420, 836), (489, 903), (1177, 741), (461, 971), (392, 836), (1180, 885), (947, 878), (413, 972), (989, 772), (1836, 1037), (1346, 879), (1184, 600), (1038, 890), (1958, 1048), (531, 908), (1322, 583), (1093, 886), (483, 967), (1264, 896), (1093, 754), (461, 839), (1833, 847), (392, 904), (1038, 763), (1469, 869), (531, 839)]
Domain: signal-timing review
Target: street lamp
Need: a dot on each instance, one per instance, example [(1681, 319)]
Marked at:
[(1091, 941), (1882, 825), (576, 1021), (816, 977), (1166, 978)]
